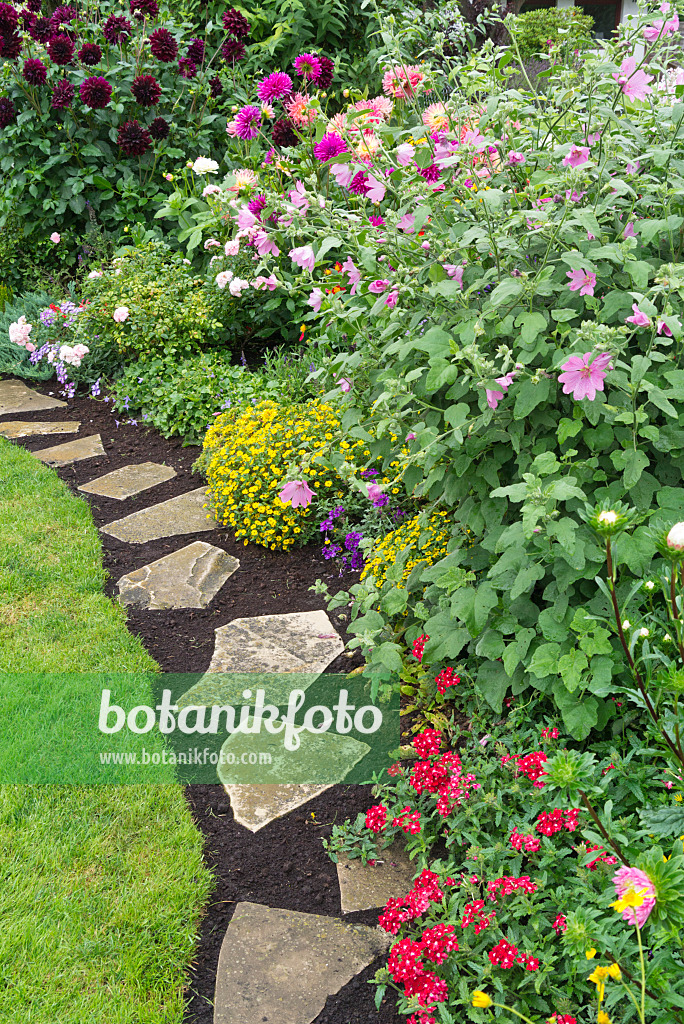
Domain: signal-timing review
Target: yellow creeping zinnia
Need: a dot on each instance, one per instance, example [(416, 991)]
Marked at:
[(481, 999)]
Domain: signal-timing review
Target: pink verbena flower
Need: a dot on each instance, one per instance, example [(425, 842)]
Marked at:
[(247, 122), (297, 492), (634, 83), (578, 155), (583, 379), (583, 281), (628, 880), (274, 87)]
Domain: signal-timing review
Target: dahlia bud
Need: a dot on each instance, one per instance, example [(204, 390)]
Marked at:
[(675, 538), (608, 519)]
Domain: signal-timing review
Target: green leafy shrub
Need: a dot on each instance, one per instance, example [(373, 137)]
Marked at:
[(13, 358), (535, 32)]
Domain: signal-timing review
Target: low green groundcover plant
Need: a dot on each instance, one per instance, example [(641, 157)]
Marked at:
[(565, 28)]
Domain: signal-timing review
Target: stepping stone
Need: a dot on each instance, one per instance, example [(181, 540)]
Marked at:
[(296, 642), (129, 480), (184, 514), (16, 397), (72, 451), (280, 966), (257, 806), (20, 428), (363, 887), (188, 578)]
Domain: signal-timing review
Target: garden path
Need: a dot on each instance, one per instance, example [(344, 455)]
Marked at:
[(275, 965)]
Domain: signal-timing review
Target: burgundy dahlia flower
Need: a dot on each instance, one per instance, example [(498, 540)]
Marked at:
[(257, 204), (144, 9), (35, 72), (61, 50), (187, 68), (96, 92), (11, 46), (163, 46), (431, 173), (34, 5), (233, 50), (235, 23), (62, 16), (41, 30), (274, 87), (62, 95), (146, 90), (116, 28), (195, 51), (216, 86), (159, 128), (27, 18), (90, 54), (9, 20), (359, 184), (325, 76), (8, 112), (283, 133), (133, 138)]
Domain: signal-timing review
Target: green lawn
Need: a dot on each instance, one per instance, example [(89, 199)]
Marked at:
[(102, 886)]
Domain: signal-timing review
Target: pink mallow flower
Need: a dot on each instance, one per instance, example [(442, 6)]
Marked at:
[(658, 29), (345, 385), (494, 397), (303, 257), (583, 379), (343, 174), (628, 880), (662, 328), (639, 319), (296, 492), (391, 299), (354, 274), (374, 492), (315, 299), (455, 273), (379, 286), (582, 281), (578, 155), (516, 158), (629, 231), (261, 283), (634, 83)]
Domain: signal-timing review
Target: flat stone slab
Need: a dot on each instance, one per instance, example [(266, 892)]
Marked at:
[(280, 966), (188, 578), (363, 887), (72, 451), (20, 428), (256, 806), (129, 480), (16, 397), (296, 642), (183, 514)]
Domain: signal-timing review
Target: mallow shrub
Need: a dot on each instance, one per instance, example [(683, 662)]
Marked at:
[(501, 272)]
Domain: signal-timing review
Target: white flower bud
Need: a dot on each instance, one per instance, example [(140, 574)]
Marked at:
[(608, 517), (675, 538)]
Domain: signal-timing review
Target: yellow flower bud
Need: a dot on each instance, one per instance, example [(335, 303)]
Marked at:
[(481, 999)]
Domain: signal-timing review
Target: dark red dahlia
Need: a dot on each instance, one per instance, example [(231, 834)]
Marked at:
[(8, 112), (96, 92), (90, 54), (431, 173), (159, 128), (62, 95), (27, 18), (35, 72), (163, 46), (187, 68), (61, 50), (195, 51), (116, 28), (146, 90), (235, 23), (9, 20), (62, 16), (34, 5), (145, 9), (325, 76), (11, 46), (41, 30), (359, 184), (216, 86), (283, 133), (134, 138), (232, 51)]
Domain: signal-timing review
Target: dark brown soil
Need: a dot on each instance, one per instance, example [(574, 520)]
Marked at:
[(284, 864)]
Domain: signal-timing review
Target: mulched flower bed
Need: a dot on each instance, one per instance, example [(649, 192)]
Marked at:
[(283, 865)]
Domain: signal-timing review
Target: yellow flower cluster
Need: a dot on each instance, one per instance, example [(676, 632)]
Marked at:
[(385, 551), (247, 453)]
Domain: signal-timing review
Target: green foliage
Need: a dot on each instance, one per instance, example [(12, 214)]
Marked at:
[(565, 27)]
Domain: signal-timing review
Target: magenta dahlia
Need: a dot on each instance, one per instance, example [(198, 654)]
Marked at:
[(27, 18), (163, 46), (195, 51), (257, 204), (274, 87), (159, 128), (431, 173), (144, 9), (61, 50), (359, 184), (95, 92), (35, 72), (247, 122), (308, 65), (62, 95), (90, 54), (9, 20), (116, 28), (235, 23), (187, 68), (41, 30), (330, 145), (34, 5), (283, 133), (216, 87), (8, 112), (232, 51), (325, 76), (133, 138), (11, 46), (146, 90)]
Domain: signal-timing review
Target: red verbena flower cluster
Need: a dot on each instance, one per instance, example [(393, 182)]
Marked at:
[(445, 778), (550, 733), (560, 924), (425, 891), (408, 821), (406, 966), (445, 679), (529, 765), (602, 857), (376, 818), (530, 843), (505, 885), (395, 769), (556, 821), (506, 955), (472, 913), (427, 742), (419, 646), (562, 1018)]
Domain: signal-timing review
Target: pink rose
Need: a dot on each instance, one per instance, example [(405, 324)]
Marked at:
[(120, 314), (55, 237)]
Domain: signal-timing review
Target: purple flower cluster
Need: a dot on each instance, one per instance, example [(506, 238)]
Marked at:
[(329, 522)]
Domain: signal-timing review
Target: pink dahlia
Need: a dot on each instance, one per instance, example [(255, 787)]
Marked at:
[(633, 880), (247, 122), (308, 65), (400, 82), (274, 87), (331, 145), (299, 110), (583, 379)]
